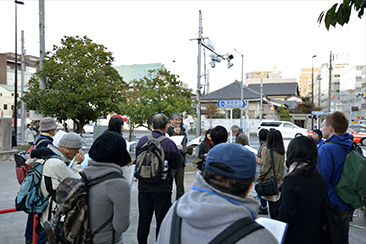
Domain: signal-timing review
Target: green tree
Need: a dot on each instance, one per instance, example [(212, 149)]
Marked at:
[(340, 13), (81, 83), (283, 113), (236, 113), (158, 92)]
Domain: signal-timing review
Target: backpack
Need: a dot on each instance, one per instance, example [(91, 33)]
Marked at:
[(70, 224), (30, 198), (149, 160), (351, 186), (36, 145), (21, 168)]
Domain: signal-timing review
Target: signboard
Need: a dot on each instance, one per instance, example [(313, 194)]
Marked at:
[(336, 97), (231, 103), (318, 112)]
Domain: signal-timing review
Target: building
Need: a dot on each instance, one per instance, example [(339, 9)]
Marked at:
[(306, 80)]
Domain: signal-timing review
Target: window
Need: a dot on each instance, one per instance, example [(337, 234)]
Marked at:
[(5, 106), (12, 94)]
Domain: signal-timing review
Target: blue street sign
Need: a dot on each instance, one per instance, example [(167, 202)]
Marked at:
[(318, 112), (231, 103)]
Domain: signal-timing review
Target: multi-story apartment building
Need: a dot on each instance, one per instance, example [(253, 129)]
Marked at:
[(7, 79), (306, 81)]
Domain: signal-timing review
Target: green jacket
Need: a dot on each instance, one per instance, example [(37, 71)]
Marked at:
[(266, 172)]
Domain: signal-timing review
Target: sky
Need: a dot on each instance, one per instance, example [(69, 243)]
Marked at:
[(281, 34)]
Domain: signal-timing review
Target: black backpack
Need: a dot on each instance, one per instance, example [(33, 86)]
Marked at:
[(149, 160)]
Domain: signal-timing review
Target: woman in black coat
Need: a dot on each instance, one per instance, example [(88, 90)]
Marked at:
[(204, 148), (303, 193)]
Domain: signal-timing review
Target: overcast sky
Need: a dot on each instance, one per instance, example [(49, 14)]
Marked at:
[(268, 33)]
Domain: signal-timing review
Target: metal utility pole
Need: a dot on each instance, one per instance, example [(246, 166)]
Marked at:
[(16, 70), (330, 81), (42, 81), (312, 91), (198, 123), (22, 114), (241, 88)]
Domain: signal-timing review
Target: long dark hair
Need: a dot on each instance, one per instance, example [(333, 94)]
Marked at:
[(115, 124), (275, 141), (302, 149), (206, 140)]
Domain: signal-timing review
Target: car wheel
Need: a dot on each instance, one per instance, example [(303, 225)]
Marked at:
[(363, 142), (83, 131), (298, 134)]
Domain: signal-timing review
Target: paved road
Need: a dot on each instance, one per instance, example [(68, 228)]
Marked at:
[(13, 224)]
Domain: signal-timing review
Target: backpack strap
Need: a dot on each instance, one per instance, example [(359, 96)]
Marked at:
[(230, 235), (236, 231), (176, 226)]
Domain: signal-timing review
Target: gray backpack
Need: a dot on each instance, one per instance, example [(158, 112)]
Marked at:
[(149, 160)]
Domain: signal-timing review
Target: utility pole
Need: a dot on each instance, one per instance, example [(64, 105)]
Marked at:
[(312, 91), (198, 123), (22, 114), (42, 81), (330, 81), (241, 88)]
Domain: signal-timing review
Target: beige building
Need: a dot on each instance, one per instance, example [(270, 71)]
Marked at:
[(306, 80)]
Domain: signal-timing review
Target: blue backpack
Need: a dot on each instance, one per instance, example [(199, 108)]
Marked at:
[(30, 198)]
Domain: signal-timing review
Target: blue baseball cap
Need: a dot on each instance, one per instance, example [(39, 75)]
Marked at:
[(234, 155)]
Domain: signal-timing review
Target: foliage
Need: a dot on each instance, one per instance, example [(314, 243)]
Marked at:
[(305, 108), (158, 92), (284, 114), (212, 111), (81, 83), (236, 113), (340, 13)]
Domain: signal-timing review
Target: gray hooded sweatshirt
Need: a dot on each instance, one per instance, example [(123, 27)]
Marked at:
[(205, 215), (110, 197)]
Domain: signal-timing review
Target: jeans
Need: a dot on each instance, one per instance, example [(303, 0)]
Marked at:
[(41, 238), (263, 202)]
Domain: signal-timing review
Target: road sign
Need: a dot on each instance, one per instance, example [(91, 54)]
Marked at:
[(318, 112), (336, 97), (231, 103)]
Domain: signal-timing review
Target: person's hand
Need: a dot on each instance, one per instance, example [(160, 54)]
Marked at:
[(79, 157), (180, 147), (205, 154)]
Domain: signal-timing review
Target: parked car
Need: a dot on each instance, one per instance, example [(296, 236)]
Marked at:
[(358, 132), (88, 128), (287, 129)]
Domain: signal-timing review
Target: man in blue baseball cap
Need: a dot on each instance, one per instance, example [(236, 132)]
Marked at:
[(216, 201)]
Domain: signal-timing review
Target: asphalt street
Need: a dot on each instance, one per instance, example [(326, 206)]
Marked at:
[(13, 224)]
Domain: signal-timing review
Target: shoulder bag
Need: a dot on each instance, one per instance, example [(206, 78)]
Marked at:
[(268, 188)]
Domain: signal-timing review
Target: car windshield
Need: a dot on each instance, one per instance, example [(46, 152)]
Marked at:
[(359, 128)]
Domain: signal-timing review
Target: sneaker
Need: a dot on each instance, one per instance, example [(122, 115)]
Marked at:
[(263, 211)]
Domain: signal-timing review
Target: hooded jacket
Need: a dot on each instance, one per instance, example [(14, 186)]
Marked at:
[(205, 215), (110, 197), (331, 162)]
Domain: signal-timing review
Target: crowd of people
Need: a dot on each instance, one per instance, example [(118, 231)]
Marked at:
[(219, 196)]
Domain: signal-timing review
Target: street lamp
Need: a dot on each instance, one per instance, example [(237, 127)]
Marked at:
[(242, 85), (16, 71), (312, 91)]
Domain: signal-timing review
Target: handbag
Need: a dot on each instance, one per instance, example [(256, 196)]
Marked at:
[(330, 224), (268, 188)]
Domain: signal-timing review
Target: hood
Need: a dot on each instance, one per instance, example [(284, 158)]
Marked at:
[(345, 140), (98, 169), (194, 207)]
